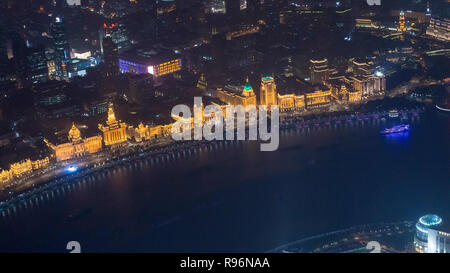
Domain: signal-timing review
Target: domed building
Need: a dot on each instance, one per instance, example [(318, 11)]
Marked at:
[(77, 146), (425, 223)]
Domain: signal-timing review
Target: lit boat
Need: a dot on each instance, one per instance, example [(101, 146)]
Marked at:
[(393, 114), (396, 129)]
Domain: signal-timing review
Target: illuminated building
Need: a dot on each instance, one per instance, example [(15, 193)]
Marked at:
[(425, 223), (115, 131), (369, 85), (146, 132), (76, 67), (401, 22), (439, 240), (365, 23), (244, 30), (339, 90), (291, 101), (354, 96), (318, 98), (151, 62), (118, 34), (61, 44), (202, 84), (51, 67), (439, 29), (230, 95), (319, 71), (110, 56), (37, 65), (77, 146), (268, 92), (290, 94), (23, 167), (5, 175)]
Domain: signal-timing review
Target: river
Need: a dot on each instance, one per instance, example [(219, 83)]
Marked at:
[(230, 197)]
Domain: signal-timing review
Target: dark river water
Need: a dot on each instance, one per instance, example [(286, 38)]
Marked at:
[(230, 197)]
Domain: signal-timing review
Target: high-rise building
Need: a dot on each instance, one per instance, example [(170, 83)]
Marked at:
[(119, 34), (268, 92), (37, 70), (439, 29), (110, 56), (319, 71), (61, 45), (233, 9), (401, 22), (432, 236)]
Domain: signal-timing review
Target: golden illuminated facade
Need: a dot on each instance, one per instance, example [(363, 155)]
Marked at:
[(5, 175), (115, 131), (23, 167), (246, 98), (165, 68), (291, 102), (146, 132), (354, 96), (76, 146), (318, 98), (401, 22), (202, 84), (319, 71), (268, 92)]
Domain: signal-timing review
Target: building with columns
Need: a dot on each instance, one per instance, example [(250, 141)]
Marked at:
[(268, 92), (77, 146), (115, 131)]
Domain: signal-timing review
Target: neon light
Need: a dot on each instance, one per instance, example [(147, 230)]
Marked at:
[(150, 70)]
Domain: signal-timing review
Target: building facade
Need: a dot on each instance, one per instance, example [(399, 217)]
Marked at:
[(439, 29), (77, 146), (245, 98), (425, 223), (115, 131), (268, 92)]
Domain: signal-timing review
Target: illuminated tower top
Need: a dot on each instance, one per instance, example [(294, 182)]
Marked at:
[(401, 23), (428, 13), (111, 115), (74, 134), (248, 90)]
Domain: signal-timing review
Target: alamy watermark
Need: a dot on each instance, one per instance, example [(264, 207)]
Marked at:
[(374, 2), (212, 124)]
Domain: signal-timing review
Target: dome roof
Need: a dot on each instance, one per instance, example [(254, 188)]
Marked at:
[(430, 220)]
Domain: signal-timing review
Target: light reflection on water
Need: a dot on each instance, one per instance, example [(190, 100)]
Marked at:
[(207, 198)]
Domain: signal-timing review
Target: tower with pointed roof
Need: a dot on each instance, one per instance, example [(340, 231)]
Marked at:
[(74, 134), (115, 130), (202, 84), (248, 90), (401, 22)]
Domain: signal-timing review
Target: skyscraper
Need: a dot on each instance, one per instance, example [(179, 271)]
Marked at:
[(37, 71), (110, 56), (61, 45), (268, 92), (401, 22)]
